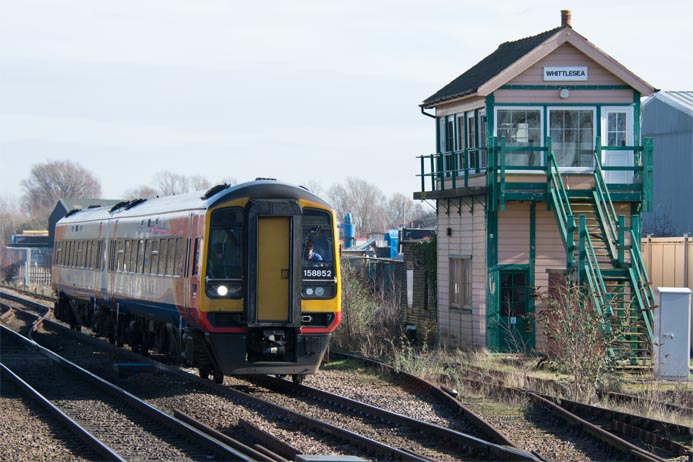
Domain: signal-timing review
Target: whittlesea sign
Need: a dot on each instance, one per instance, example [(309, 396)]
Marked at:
[(563, 73)]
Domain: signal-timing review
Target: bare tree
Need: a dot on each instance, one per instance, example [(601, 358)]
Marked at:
[(169, 183), (315, 187), (365, 202), (399, 210), (424, 215), (198, 183), (11, 219), (55, 180), (143, 192)]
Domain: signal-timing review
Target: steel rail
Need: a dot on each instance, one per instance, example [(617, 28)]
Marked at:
[(92, 441), (443, 396), (450, 437), (255, 453), (594, 430), (353, 438), (141, 406)]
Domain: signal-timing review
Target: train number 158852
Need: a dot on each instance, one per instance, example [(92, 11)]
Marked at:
[(317, 273)]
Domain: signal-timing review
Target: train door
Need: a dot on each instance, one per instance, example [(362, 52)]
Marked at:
[(273, 269), (274, 244)]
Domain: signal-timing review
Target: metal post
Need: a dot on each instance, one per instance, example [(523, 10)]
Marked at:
[(27, 268)]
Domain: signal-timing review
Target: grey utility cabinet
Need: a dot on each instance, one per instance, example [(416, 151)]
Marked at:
[(672, 333)]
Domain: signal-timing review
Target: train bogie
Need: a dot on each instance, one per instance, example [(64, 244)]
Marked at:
[(243, 280)]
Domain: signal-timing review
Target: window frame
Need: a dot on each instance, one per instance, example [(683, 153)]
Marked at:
[(541, 125), (595, 131), (460, 296)]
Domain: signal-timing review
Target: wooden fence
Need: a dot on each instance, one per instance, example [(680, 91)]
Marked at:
[(669, 262)]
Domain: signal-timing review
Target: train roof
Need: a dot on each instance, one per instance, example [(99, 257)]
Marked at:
[(199, 200)]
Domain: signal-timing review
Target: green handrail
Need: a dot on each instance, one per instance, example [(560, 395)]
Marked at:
[(604, 204), (643, 291), (614, 227)]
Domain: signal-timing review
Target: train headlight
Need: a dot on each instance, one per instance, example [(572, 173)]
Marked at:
[(309, 291), (222, 291), (319, 291)]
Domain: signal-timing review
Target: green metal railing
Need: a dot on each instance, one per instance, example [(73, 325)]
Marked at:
[(444, 173), (616, 231)]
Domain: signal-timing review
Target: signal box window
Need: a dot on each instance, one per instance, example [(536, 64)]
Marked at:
[(522, 128), (460, 283)]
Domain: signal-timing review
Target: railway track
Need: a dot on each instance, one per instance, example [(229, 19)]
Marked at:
[(283, 419), (552, 432), (117, 424), (416, 436), (531, 425), (39, 424)]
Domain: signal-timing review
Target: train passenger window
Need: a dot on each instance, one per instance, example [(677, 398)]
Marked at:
[(100, 250), (171, 257), (163, 255), (126, 257), (196, 258), (120, 255), (83, 255), (139, 257), (57, 252), (68, 248), (93, 254), (180, 256), (111, 255), (87, 254), (154, 257)]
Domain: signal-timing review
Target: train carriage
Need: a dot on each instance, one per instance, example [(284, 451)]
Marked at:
[(240, 280)]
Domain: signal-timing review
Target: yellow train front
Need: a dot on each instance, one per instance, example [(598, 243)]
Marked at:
[(240, 280), (267, 305)]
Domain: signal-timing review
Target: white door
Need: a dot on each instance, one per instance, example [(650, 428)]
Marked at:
[(617, 130)]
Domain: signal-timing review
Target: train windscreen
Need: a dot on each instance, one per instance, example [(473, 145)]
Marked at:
[(318, 255), (224, 254)]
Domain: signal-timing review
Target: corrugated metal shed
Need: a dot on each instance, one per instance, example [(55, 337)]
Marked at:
[(668, 119)]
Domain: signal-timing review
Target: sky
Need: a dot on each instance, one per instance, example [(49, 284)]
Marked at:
[(309, 92)]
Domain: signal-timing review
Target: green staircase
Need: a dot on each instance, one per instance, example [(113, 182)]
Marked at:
[(603, 255)]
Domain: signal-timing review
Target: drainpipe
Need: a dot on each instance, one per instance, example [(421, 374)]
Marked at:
[(685, 260), (423, 111)]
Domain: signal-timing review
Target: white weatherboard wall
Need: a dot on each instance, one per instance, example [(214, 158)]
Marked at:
[(672, 333)]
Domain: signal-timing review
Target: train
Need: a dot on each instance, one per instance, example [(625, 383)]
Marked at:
[(222, 280)]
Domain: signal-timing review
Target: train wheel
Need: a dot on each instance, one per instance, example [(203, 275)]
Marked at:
[(298, 378), (218, 377), (204, 372)]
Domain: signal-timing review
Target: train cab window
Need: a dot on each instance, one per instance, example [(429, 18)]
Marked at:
[(319, 277), (224, 269)]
